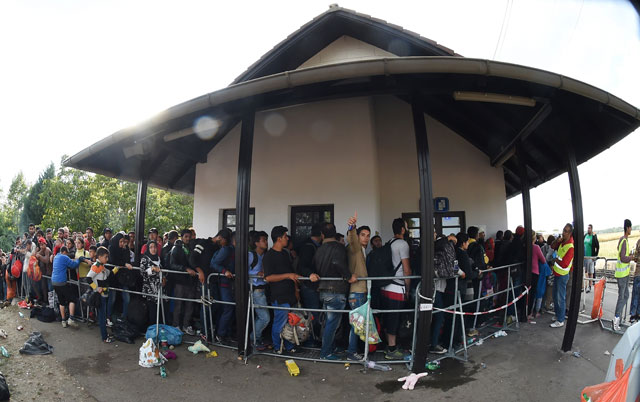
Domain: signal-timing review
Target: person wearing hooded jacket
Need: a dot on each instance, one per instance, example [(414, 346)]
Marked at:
[(185, 285), (118, 256)]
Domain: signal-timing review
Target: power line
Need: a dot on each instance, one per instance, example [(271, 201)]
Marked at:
[(503, 28)]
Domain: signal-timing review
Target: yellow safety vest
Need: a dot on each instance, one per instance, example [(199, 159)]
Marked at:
[(562, 251), (622, 268)]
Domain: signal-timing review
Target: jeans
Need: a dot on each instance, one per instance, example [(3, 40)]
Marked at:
[(355, 300), (623, 294), (261, 315), (102, 317), (183, 310), (331, 301), (437, 319), (112, 302), (279, 319), (560, 296), (635, 309), (311, 299), (223, 328)]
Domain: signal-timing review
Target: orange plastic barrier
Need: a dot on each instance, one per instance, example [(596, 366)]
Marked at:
[(614, 391), (598, 290)]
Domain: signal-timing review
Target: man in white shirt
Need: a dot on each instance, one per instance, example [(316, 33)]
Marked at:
[(396, 293)]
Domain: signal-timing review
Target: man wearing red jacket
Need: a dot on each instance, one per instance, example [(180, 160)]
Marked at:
[(561, 268)]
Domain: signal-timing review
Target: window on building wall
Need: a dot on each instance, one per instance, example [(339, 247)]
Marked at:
[(303, 217), (445, 223), (229, 219)]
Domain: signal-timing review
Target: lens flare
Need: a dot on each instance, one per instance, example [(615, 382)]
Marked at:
[(275, 124), (206, 127)]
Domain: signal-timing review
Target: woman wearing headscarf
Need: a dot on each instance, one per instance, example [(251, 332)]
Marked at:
[(118, 256), (151, 264)]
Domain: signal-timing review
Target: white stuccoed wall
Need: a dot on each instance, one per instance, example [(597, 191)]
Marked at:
[(344, 49), (325, 155), (460, 172), (358, 154)]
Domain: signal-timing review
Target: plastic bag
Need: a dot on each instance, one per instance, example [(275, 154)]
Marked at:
[(5, 395), (36, 345), (357, 319), (172, 334), (613, 391), (124, 331), (150, 355)]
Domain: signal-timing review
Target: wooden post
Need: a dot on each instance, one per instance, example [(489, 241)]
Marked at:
[(141, 210), (242, 225), (578, 247), (423, 333)]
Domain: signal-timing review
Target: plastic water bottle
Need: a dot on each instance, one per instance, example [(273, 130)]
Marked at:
[(456, 267), (163, 339), (377, 366), (4, 351)]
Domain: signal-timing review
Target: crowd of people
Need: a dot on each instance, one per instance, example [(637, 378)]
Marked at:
[(287, 275)]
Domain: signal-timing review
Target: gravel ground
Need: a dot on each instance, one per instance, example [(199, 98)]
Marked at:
[(34, 377)]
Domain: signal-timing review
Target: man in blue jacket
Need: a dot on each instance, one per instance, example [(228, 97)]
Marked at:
[(66, 293), (224, 262)]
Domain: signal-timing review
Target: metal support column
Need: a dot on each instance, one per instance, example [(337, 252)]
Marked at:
[(528, 226), (426, 236), (141, 209), (578, 247), (242, 221)]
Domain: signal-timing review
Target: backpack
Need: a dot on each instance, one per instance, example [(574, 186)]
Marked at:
[(33, 270), (254, 262), (381, 265), (297, 329), (444, 258), (296, 260)]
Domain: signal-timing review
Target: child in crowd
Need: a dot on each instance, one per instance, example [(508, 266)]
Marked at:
[(99, 274), (151, 265)]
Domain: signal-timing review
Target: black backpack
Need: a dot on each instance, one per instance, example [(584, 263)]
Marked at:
[(381, 265), (444, 258)]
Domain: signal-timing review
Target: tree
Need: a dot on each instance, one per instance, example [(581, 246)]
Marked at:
[(14, 204), (33, 212)]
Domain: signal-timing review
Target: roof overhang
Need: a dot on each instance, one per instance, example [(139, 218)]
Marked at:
[(163, 151)]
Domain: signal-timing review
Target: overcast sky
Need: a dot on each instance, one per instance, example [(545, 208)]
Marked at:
[(73, 72)]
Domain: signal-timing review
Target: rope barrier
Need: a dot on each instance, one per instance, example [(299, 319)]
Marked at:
[(493, 310)]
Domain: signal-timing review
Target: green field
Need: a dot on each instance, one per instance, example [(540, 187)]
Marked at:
[(609, 243)]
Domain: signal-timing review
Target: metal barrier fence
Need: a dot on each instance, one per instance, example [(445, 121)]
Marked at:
[(365, 358), (457, 308)]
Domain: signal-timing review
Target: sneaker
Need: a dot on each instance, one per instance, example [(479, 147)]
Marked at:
[(556, 324), (472, 332), (64, 323), (354, 356), (589, 289), (331, 356), (72, 323), (395, 355), (189, 330), (616, 324), (438, 350), (109, 323)]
